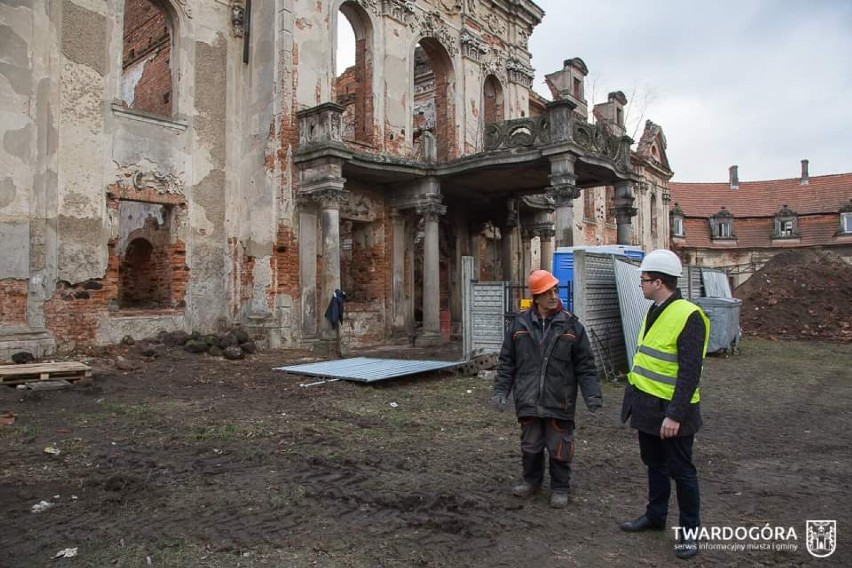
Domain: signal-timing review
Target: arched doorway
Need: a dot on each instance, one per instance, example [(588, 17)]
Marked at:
[(492, 100)]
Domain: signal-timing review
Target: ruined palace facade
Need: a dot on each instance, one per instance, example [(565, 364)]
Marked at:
[(189, 164)]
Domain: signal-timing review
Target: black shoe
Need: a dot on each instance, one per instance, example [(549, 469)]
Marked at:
[(686, 548), (643, 523)]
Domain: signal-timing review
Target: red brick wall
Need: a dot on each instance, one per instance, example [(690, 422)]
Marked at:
[(13, 302), (147, 42), (286, 263)]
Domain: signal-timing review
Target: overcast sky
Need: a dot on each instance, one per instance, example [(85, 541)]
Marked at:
[(761, 84), (757, 83)]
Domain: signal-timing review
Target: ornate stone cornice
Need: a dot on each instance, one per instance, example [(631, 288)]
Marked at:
[(472, 46), (599, 138), (520, 72), (402, 11)]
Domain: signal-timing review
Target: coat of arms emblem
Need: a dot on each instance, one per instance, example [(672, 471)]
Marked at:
[(821, 538)]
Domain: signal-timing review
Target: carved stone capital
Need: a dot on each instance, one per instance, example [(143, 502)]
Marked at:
[(330, 198), (563, 189), (431, 208)]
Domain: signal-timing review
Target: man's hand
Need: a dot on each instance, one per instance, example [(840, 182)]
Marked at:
[(499, 402), (669, 429)]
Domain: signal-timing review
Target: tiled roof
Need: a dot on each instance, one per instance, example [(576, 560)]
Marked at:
[(823, 194), (757, 232)]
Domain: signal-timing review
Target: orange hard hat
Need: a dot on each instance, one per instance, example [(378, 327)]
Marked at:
[(541, 281)]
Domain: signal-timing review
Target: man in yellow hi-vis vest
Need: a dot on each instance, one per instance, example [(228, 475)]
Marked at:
[(662, 399)]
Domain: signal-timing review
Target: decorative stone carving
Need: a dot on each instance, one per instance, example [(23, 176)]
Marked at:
[(473, 46), (400, 10), (495, 23), (330, 198), (187, 10), (359, 208), (451, 6), (599, 138), (321, 124), (563, 189), (372, 5), (493, 64), (524, 38), (238, 19), (432, 24), (471, 7), (539, 201), (430, 207), (163, 183), (520, 72), (516, 133)]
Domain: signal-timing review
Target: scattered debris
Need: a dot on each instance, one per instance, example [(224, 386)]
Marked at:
[(52, 450), (42, 506), (67, 553), (7, 418)]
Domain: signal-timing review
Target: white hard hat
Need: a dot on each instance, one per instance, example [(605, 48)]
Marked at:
[(662, 261)]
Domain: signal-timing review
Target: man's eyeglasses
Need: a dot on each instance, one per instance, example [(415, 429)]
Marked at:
[(644, 280)]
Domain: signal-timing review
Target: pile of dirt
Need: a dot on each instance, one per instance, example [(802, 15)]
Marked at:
[(799, 295)]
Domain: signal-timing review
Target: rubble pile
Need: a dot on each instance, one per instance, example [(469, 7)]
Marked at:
[(799, 295)]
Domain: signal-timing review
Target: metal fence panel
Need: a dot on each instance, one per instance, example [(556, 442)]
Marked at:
[(486, 316), (632, 304), (596, 305), (716, 283)]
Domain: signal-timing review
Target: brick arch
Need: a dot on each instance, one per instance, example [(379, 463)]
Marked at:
[(492, 100), (144, 276), (148, 46), (442, 94), (354, 86)]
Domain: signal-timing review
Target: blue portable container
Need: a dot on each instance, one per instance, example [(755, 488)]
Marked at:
[(563, 265)]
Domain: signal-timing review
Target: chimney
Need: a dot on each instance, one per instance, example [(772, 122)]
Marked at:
[(805, 180), (735, 180)]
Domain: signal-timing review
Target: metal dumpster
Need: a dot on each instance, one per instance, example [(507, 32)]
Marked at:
[(724, 316)]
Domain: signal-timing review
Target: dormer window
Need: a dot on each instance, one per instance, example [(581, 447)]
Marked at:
[(846, 219), (785, 224), (677, 221), (722, 225)]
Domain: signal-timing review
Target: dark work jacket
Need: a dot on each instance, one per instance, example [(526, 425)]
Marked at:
[(544, 367), (645, 411)]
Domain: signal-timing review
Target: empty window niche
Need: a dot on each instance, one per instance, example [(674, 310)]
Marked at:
[(146, 76), (360, 254), (144, 252)]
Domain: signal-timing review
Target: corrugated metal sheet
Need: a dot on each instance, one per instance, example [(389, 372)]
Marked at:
[(366, 369), (716, 283), (690, 283), (596, 305), (486, 313), (632, 304)]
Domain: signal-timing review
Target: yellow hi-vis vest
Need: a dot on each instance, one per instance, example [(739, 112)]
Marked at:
[(655, 363)]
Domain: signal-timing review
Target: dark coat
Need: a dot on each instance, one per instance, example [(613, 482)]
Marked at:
[(645, 411), (544, 369)]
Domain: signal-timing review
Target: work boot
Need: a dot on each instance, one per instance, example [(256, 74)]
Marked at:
[(559, 499), (686, 548), (524, 489)]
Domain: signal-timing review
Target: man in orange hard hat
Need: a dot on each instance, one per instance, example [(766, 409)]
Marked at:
[(545, 357)]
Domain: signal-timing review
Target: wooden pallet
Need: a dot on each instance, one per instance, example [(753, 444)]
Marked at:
[(31, 372)]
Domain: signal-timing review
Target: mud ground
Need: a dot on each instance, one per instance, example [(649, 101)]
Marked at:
[(196, 461)]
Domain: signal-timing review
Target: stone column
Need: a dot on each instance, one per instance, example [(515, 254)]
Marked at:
[(526, 258), (398, 324), (624, 210), (509, 240), (308, 266), (546, 236), (329, 200), (563, 190), (431, 210)]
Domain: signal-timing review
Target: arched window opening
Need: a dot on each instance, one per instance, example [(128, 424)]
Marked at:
[(354, 67), (434, 92), (492, 104), (146, 75)]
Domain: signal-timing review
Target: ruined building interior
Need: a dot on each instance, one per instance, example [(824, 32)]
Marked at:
[(186, 164)]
